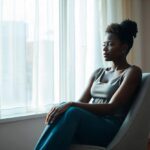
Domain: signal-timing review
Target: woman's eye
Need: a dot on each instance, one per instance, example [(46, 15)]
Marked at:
[(110, 44)]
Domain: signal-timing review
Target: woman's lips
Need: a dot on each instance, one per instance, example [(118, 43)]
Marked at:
[(105, 54)]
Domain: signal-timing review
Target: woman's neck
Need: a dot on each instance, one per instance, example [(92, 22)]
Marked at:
[(120, 65)]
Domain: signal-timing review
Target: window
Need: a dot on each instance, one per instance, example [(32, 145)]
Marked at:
[(48, 50)]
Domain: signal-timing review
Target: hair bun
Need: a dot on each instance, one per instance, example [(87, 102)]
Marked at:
[(129, 27)]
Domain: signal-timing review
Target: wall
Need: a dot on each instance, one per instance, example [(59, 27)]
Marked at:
[(146, 35), (140, 53), (20, 135)]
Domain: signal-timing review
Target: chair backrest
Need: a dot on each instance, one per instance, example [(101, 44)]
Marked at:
[(134, 131)]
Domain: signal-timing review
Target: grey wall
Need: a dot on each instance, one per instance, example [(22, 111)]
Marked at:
[(20, 135)]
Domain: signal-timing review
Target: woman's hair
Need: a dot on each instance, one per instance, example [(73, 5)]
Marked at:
[(126, 31)]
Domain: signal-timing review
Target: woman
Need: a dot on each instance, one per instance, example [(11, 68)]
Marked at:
[(98, 115)]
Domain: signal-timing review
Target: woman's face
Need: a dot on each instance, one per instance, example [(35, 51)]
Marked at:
[(113, 48)]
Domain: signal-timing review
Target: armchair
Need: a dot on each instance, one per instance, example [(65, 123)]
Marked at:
[(133, 134)]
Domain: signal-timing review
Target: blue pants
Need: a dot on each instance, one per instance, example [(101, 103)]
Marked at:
[(78, 125)]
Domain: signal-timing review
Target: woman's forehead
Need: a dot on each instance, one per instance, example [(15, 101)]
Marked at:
[(110, 37)]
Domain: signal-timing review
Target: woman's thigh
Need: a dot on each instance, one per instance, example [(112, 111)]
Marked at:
[(93, 129)]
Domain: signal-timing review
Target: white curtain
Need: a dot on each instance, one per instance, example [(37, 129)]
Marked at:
[(48, 50)]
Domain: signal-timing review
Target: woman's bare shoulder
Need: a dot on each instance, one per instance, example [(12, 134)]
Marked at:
[(135, 69), (134, 72)]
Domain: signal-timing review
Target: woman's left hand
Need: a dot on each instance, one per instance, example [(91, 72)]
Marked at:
[(56, 111)]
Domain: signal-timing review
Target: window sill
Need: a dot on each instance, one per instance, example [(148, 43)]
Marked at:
[(22, 117), (21, 114)]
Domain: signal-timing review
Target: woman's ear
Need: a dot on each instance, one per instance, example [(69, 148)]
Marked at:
[(125, 48)]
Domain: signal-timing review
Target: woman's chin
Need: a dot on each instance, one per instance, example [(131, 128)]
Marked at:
[(107, 59)]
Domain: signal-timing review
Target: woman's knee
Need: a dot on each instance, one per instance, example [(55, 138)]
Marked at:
[(73, 111)]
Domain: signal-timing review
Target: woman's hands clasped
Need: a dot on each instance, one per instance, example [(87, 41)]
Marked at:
[(56, 111)]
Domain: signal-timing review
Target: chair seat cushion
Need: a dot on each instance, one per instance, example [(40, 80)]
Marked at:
[(86, 147)]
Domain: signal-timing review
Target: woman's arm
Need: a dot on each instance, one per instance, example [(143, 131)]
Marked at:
[(127, 89), (86, 96), (121, 97)]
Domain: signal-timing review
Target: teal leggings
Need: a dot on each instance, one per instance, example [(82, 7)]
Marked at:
[(77, 125)]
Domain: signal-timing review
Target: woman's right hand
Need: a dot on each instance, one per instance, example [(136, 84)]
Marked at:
[(56, 111), (51, 112)]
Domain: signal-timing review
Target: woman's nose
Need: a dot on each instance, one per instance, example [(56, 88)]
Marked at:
[(105, 48)]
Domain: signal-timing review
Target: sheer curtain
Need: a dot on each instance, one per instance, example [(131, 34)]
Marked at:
[(48, 50)]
